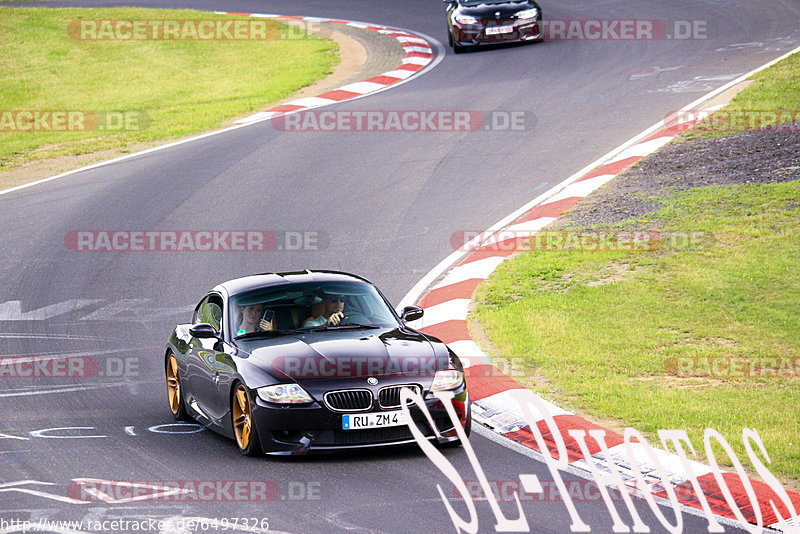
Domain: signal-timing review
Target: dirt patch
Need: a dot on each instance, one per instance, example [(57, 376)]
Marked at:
[(613, 272), (750, 157), (689, 383)]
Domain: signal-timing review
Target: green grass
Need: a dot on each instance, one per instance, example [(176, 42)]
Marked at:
[(184, 87), (600, 328), (774, 89)]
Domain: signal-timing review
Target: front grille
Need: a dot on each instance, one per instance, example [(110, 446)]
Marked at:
[(389, 397), (349, 400)]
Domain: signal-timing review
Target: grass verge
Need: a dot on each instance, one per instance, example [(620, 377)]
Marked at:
[(683, 337), (172, 88)]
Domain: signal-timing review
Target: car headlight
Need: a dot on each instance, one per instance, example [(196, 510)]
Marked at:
[(284, 394), (528, 14), (466, 19), (448, 379)]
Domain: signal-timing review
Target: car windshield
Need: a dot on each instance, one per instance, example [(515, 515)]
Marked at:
[(291, 308), (474, 3)]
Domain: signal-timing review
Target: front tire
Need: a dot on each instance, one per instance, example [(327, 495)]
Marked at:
[(174, 389), (243, 425)]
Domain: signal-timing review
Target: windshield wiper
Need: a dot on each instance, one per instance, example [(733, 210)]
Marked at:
[(323, 328), (269, 333)]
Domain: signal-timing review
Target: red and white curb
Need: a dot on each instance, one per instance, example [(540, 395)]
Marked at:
[(418, 54), (445, 295)]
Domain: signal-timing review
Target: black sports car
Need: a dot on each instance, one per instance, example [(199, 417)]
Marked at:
[(481, 22), (298, 362)]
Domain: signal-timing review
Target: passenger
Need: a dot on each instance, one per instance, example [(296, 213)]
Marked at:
[(252, 320), (332, 312)]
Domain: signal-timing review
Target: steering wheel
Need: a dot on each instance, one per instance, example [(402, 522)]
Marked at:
[(355, 318)]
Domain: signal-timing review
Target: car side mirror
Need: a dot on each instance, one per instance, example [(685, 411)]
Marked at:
[(411, 313), (203, 331)]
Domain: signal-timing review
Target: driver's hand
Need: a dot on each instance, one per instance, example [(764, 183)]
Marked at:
[(335, 318), (265, 325)]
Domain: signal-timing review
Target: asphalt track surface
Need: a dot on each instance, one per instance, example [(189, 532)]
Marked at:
[(385, 205)]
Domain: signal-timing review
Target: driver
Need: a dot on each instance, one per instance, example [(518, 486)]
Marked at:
[(332, 311), (252, 320)]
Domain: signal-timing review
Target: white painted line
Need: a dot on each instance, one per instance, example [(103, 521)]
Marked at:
[(422, 49), (451, 310), (50, 390), (417, 60), (261, 115), (158, 492), (583, 188), (362, 87), (311, 102), (410, 39), (643, 149), (11, 488), (480, 269), (402, 74)]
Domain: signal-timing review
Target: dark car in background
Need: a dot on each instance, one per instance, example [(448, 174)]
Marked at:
[(298, 383), (481, 22)]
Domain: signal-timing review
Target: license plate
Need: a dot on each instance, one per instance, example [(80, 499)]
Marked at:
[(497, 30), (372, 420)]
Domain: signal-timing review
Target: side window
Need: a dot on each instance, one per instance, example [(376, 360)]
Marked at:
[(209, 311)]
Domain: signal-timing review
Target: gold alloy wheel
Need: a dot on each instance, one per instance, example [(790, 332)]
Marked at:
[(242, 417), (173, 385)]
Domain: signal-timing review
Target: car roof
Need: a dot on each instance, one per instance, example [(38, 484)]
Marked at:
[(256, 281)]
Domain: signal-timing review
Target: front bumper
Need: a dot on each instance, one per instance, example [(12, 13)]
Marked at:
[(476, 34), (314, 428)]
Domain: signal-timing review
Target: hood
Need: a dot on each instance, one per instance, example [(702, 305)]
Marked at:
[(342, 355)]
